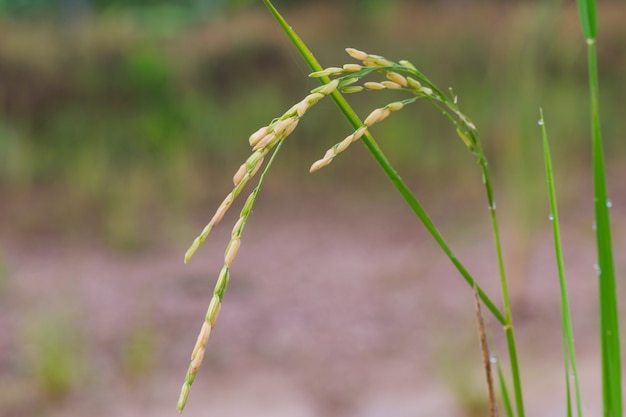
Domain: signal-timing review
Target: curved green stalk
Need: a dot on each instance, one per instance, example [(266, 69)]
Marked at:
[(391, 173)]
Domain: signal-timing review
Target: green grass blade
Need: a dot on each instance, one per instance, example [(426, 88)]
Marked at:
[(569, 354), (588, 18), (506, 399), (568, 390), (611, 358), (391, 173), (609, 327)]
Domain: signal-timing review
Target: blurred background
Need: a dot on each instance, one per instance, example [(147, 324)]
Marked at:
[(122, 122)]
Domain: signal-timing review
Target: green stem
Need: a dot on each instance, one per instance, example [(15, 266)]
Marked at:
[(609, 326), (475, 148), (508, 327), (381, 159)]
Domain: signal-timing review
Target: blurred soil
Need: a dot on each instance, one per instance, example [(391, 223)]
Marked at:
[(333, 309)]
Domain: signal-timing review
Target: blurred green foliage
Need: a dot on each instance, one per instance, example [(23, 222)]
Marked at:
[(193, 8), (4, 277), (71, 8), (138, 354), (54, 348), (124, 121)]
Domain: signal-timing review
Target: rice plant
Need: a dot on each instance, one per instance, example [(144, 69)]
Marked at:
[(375, 73)]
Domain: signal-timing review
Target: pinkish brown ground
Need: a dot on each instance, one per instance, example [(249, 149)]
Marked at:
[(333, 310)]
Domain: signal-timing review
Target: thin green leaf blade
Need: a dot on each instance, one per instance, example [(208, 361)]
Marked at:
[(609, 326), (506, 399), (569, 355), (588, 18)]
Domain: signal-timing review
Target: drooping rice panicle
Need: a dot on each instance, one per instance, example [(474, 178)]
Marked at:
[(262, 141), (215, 305)]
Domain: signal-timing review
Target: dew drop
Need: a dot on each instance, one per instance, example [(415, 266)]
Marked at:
[(594, 226), (540, 122), (609, 203), (493, 359), (596, 268), (551, 217), (456, 99)]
